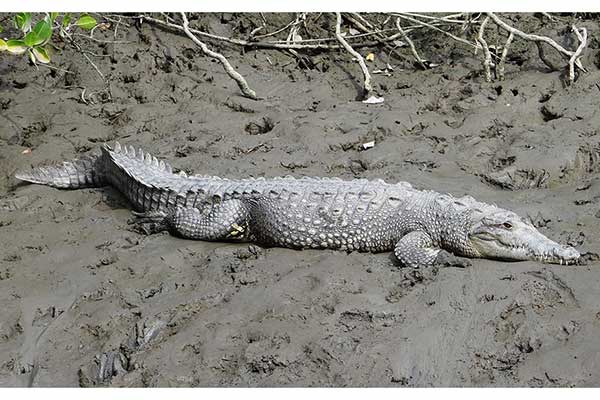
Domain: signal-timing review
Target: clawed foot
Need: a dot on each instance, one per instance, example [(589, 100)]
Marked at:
[(149, 222), (446, 259)]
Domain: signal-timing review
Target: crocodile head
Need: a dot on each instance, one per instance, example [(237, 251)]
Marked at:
[(502, 234)]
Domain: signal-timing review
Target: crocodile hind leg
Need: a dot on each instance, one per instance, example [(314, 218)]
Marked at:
[(416, 249), (228, 220)]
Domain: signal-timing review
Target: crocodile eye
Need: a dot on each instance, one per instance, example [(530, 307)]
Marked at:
[(507, 225)]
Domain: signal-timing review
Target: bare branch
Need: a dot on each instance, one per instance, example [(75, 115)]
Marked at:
[(243, 85), (435, 28), (573, 56), (582, 36), (416, 55), (502, 61), (487, 56), (307, 44), (355, 54)]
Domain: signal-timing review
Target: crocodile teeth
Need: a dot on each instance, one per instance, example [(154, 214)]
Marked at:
[(155, 162), (148, 159), (182, 174), (140, 154), (131, 151), (117, 147)]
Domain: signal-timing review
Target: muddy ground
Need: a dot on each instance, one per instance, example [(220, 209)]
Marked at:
[(87, 301)]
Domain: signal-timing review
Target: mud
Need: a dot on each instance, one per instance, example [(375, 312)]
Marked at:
[(88, 302)]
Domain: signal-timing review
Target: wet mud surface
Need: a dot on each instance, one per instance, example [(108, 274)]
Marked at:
[(86, 301)]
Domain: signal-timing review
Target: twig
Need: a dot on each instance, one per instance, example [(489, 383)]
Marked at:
[(571, 55), (276, 31), (487, 56), (355, 54), (94, 65), (582, 36), (293, 35), (243, 85), (445, 18), (435, 28), (413, 50), (306, 44), (500, 64), (547, 15), (66, 71)]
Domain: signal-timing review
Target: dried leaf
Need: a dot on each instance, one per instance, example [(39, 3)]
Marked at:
[(26, 151), (370, 57)]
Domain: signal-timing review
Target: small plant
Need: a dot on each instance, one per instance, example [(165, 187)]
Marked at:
[(37, 36)]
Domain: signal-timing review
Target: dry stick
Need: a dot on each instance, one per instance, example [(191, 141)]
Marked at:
[(575, 57), (435, 28), (536, 38), (367, 28), (355, 54), (233, 74), (278, 45), (503, 56), (277, 31), (487, 56), (416, 55), (445, 18)]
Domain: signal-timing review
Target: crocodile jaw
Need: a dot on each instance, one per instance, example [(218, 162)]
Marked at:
[(522, 241)]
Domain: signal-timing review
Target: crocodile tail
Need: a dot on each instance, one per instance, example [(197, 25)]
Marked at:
[(87, 171)]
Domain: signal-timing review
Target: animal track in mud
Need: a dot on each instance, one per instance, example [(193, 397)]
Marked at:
[(260, 127), (411, 278), (550, 290), (355, 318), (265, 354), (521, 327)]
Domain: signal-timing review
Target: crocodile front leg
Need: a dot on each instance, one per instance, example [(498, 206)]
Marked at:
[(416, 249)]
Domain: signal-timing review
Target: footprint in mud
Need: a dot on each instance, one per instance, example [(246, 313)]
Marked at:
[(367, 319), (17, 203), (549, 290), (411, 278), (268, 354), (10, 326), (528, 324)]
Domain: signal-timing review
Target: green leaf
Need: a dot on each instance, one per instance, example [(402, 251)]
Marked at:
[(43, 31), (1, 29), (23, 21), (65, 20), (86, 22), (16, 46), (41, 55), (52, 16), (3, 45), (30, 39)]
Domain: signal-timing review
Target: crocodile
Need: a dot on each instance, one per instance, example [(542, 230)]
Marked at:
[(421, 227)]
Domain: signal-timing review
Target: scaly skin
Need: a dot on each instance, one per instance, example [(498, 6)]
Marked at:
[(358, 215)]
